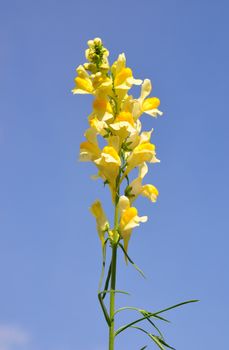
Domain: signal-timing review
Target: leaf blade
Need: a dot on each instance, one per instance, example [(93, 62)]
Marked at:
[(131, 261), (175, 306)]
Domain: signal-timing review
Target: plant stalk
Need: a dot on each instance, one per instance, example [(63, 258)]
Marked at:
[(113, 273), (112, 297)]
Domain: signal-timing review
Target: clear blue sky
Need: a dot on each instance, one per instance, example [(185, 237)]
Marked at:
[(49, 250)]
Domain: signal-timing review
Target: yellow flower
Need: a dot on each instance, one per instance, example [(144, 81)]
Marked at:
[(136, 188), (143, 152), (123, 125), (89, 150), (146, 105), (102, 113), (128, 219), (101, 105), (101, 82), (101, 220), (99, 125), (125, 117), (123, 76), (150, 191), (108, 165), (83, 82), (91, 84)]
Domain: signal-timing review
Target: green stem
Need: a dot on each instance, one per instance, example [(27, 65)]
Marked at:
[(114, 244), (113, 271), (112, 297)]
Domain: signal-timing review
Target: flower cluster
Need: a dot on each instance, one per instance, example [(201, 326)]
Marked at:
[(115, 118)]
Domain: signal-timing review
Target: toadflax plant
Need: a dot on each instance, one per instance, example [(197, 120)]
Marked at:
[(116, 119)]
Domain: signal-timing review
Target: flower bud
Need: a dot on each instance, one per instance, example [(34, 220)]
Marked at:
[(97, 41), (90, 43)]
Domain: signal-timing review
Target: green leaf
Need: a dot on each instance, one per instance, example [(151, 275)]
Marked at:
[(127, 308), (123, 328), (164, 343), (154, 338), (107, 318), (131, 261), (174, 306), (161, 318), (159, 341), (103, 264), (140, 310), (144, 347), (144, 313), (113, 291), (156, 341), (128, 181), (107, 281)]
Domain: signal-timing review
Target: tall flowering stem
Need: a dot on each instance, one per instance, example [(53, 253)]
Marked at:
[(113, 272), (115, 119)]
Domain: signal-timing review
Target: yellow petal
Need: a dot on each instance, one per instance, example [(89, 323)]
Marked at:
[(127, 216), (100, 104), (112, 152), (146, 89), (123, 204), (150, 192), (101, 219), (96, 209), (145, 147), (89, 151), (125, 117), (83, 84), (150, 103), (122, 76)]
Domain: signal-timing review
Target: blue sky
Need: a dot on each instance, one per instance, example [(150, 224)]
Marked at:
[(50, 254)]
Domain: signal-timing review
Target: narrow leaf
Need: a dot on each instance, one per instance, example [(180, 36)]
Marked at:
[(144, 347), (151, 337), (164, 343), (107, 318), (127, 308), (156, 341), (174, 306), (123, 328), (107, 281), (161, 318), (131, 261), (103, 264), (157, 329), (140, 310), (113, 291)]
